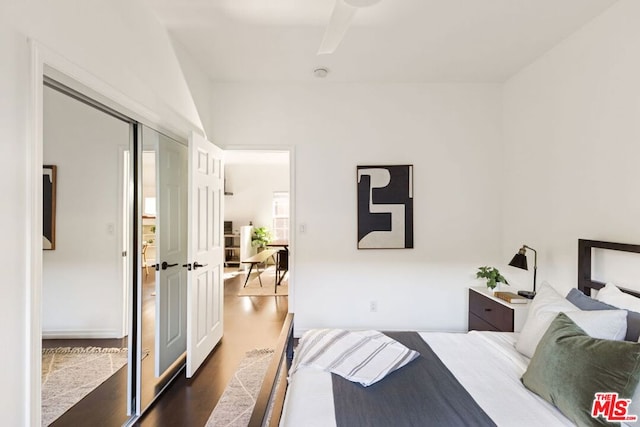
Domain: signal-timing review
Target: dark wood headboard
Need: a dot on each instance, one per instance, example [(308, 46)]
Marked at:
[(585, 283)]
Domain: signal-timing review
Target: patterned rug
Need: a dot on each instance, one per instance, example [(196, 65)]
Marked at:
[(69, 374), (236, 403)]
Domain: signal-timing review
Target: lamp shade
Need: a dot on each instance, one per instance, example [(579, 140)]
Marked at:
[(519, 260)]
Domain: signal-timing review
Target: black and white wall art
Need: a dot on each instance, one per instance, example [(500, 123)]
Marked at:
[(385, 207)]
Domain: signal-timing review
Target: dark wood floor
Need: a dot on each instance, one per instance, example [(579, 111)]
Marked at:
[(249, 322)]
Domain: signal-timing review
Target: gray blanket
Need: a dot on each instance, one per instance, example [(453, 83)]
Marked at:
[(423, 393)]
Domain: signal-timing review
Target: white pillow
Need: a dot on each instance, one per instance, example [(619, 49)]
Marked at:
[(605, 324), (543, 309), (611, 295)]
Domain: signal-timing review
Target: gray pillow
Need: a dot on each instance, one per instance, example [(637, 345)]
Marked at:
[(569, 367), (583, 302)]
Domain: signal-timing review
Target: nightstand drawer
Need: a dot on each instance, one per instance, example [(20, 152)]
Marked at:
[(499, 316), (477, 324)]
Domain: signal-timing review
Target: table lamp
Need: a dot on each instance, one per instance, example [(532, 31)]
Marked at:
[(520, 261)]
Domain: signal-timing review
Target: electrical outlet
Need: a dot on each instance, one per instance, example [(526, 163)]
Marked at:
[(373, 306)]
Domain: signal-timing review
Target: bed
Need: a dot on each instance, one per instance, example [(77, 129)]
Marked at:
[(488, 369)]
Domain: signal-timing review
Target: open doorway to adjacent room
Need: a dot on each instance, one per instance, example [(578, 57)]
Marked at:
[(257, 220)]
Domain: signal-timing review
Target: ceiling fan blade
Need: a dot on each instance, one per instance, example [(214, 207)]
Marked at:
[(341, 17)]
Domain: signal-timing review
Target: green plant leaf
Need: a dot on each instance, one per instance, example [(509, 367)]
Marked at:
[(492, 275), (261, 237)]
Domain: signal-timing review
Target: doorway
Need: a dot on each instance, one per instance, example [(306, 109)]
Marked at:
[(92, 286), (258, 202), (153, 257), (44, 61)]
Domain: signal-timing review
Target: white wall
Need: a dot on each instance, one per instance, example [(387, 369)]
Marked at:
[(82, 285), (450, 133), (253, 186), (198, 82), (572, 145), (117, 42), (13, 220)]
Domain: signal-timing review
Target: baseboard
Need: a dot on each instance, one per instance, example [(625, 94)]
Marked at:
[(80, 334)]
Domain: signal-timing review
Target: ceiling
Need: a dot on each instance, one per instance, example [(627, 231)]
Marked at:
[(393, 41)]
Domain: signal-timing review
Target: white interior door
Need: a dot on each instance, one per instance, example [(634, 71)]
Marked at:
[(206, 250), (172, 251)]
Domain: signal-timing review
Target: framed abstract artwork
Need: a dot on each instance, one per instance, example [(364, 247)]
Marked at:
[(385, 207), (49, 207)]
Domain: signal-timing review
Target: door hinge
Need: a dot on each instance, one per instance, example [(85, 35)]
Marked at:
[(124, 254)]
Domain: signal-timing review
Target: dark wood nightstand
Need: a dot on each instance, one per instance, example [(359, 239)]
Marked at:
[(488, 313)]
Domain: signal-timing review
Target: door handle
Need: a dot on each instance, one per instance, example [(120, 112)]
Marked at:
[(197, 265), (166, 265)]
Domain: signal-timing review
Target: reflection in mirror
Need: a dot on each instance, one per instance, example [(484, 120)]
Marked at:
[(163, 254), (87, 276)]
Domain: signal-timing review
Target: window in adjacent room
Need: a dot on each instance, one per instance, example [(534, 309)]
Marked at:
[(281, 215)]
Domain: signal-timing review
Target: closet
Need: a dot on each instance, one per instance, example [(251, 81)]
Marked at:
[(118, 270)]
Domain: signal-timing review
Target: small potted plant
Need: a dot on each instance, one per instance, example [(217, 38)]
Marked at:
[(260, 237), (493, 276)]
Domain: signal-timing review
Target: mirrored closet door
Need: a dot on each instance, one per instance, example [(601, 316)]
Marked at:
[(163, 237), (87, 266), (114, 273)]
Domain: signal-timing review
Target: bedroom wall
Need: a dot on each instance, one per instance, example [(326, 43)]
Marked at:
[(82, 278), (13, 220), (120, 43), (571, 145), (117, 42), (253, 186), (452, 136), (198, 82)]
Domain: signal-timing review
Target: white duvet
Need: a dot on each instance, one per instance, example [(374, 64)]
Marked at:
[(485, 363)]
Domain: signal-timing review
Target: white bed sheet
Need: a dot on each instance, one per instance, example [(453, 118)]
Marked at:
[(485, 363)]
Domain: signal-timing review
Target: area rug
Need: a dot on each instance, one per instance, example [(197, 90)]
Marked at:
[(268, 278), (236, 403), (70, 373)]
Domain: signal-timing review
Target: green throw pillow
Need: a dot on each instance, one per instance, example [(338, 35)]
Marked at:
[(569, 367)]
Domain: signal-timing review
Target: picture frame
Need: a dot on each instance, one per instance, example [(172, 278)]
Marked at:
[(385, 207), (49, 184)]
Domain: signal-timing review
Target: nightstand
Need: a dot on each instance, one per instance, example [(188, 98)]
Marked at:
[(488, 313)]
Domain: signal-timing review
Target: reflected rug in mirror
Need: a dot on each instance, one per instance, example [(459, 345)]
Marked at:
[(236, 403), (70, 373)]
